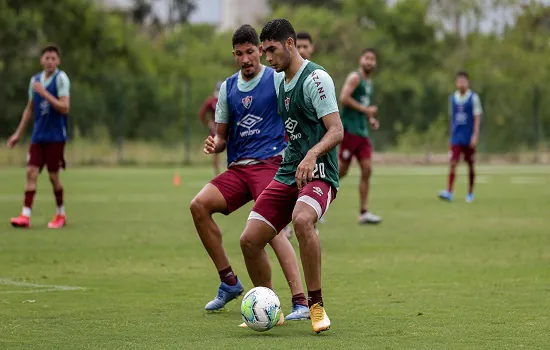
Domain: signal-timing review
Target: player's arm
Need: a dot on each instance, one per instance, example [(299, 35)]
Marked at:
[(478, 110), (352, 82), (218, 143), (320, 92), (25, 120), (62, 104)]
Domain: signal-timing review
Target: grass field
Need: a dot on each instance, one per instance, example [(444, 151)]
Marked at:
[(432, 276)]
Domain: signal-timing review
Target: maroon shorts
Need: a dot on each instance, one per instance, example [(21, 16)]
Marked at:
[(354, 145), (50, 154), (240, 184), (458, 150), (277, 201)]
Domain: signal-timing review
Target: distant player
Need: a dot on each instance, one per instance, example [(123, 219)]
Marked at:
[(304, 44), (206, 116), (465, 112), (358, 108), (307, 180), (253, 133), (49, 105)]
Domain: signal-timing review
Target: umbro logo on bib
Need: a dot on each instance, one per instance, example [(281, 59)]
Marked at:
[(287, 103), (247, 102)]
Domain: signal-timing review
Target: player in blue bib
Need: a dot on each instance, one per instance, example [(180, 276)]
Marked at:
[(252, 131), (465, 111), (49, 105)]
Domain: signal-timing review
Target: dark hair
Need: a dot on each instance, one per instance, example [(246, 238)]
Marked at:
[(245, 34), (278, 30), (462, 73), (369, 49), (51, 47), (304, 36)]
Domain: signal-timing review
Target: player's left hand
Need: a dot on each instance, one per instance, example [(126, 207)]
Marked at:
[(304, 172), (39, 88), (374, 123), (473, 142)]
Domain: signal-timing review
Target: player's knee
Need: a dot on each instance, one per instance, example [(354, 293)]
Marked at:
[(32, 174), (343, 171), (54, 179), (198, 207), (366, 172), (303, 222), (248, 244)]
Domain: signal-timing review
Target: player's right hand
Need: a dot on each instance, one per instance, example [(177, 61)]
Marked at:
[(13, 140), (372, 111), (210, 145)]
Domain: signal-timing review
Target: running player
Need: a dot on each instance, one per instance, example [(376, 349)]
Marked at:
[(465, 111), (305, 46), (356, 98), (307, 180), (253, 133), (49, 104), (206, 116)]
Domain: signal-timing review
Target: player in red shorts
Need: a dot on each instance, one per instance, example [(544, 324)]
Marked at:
[(356, 97), (206, 115), (49, 104), (249, 126), (307, 180), (465, 110)]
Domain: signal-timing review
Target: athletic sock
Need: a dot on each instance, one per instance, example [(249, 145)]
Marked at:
[(363, 211), (27, 205), (299, 299), (452, 175), (314, 297), (228, 277), (472, 178)]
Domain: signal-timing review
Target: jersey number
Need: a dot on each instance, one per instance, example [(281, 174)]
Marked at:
[(319, 171)]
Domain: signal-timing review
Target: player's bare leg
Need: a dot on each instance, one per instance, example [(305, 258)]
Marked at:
[(447, 195), (289, 263), (207, 202), (366, 217), (23, 220), (59, 219), (343, 167), (254, 238), (304, 218), (471, 177)]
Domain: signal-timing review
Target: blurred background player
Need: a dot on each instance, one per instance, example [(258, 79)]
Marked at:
[(48, 104), (465, 112), (357, 101), (307, 180), (207, 117), (249, 126), (304, 44)]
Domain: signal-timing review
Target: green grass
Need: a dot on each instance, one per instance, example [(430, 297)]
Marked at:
[(432, 276)]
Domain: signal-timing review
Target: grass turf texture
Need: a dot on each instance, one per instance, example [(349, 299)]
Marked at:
[(432, 275)]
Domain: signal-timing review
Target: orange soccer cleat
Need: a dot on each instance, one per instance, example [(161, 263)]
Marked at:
[(58, 221), (21, 221)]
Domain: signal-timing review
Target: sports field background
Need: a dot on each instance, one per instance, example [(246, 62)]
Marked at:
[(433, 275)]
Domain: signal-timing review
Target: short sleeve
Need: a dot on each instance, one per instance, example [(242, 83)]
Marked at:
[(478, 109), (319, 91), (222, 110), (63, 84), (278, 78)]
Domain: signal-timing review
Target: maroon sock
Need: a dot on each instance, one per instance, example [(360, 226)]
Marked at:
[(299, 299), (227, 276), (58, 197), (29, 198), (314, 297), (363, 211), (472, 177), (452, 175)]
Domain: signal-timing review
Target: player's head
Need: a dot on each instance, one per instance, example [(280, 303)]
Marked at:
[(247, 51), (462, 81), (279, 43), (367, 61), (51, 57), (304, 44)]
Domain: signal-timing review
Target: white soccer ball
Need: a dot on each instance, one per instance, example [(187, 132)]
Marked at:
[(261, 309)]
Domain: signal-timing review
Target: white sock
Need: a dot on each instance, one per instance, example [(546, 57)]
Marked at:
[(26, 212), (61, 210)]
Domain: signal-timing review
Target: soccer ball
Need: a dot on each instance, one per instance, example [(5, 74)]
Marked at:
[(261, 309)]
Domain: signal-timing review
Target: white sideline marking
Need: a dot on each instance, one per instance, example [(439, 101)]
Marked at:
[(517, 180), (40, 288)]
